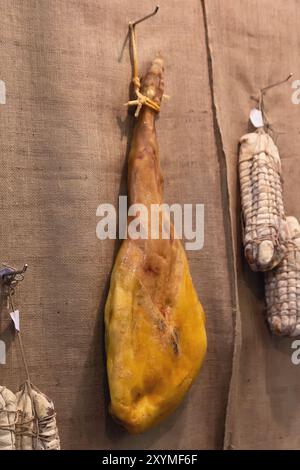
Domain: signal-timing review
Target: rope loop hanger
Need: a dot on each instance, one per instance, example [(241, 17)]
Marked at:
[(141, 100)]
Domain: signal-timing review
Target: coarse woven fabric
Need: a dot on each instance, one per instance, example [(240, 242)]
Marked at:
[(64, 135), (254, 44)]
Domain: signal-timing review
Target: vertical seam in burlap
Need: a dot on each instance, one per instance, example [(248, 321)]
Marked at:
[(236, 318)]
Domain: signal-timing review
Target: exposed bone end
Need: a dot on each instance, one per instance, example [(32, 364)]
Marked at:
[(158, 62), (265, 253), (153, 82)]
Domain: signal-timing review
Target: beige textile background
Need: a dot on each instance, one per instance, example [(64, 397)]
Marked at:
[(64, 133)]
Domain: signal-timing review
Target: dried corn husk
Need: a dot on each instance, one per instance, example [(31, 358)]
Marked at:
[(8, 417), (36, 428), (264, 221), (283, 287)]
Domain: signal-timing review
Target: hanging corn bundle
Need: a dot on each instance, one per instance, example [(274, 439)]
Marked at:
[(8, 418), (264, 224), (282, 287), (34, 417), (155, 325), (36, 427)]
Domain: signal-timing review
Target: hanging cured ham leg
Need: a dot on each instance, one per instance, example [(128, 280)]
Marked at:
[(155, 332)]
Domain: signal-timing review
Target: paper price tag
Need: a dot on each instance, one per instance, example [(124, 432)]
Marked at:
[(2, 92), (2, 353), (256, 117), (15, 316)]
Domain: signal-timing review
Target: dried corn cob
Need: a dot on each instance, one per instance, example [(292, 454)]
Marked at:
[(8, 417), (283, 287), (264, 221), (36, 428)]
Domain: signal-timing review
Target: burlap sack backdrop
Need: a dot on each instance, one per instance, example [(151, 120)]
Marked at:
[(64, 138)]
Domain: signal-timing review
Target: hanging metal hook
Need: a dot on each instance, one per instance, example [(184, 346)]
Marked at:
[(134, 23), (10, 277), (276, 84)]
